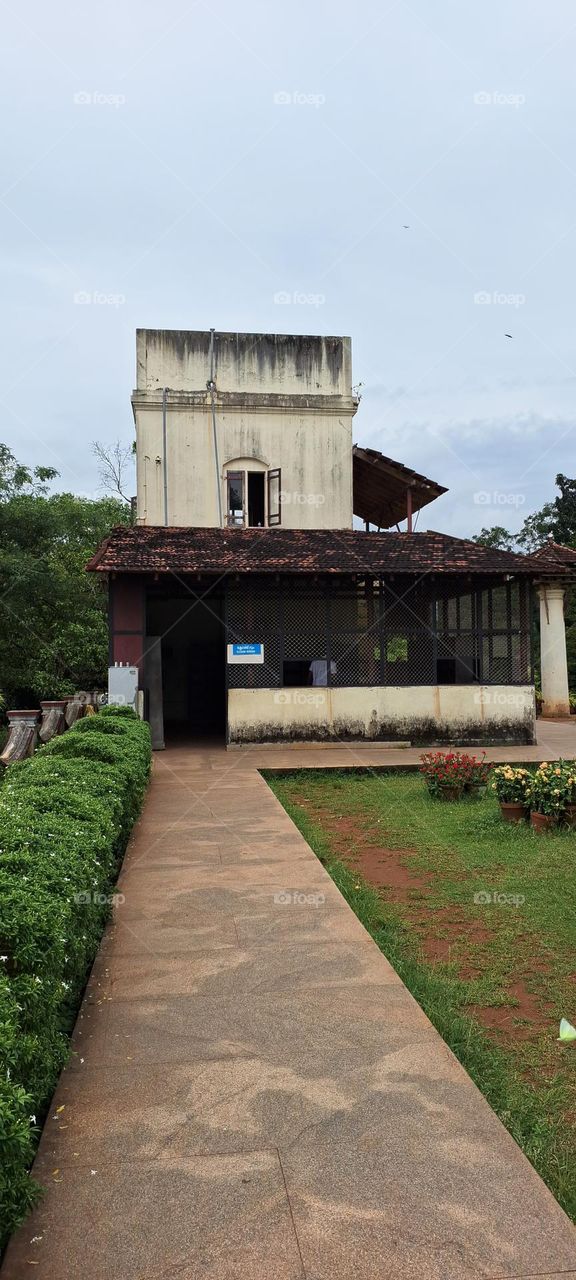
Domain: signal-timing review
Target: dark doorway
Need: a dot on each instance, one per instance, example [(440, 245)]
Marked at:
[(193, 661)]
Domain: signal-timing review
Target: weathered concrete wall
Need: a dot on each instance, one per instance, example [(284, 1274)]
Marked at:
[(315, 457), (288, 364), (420, 714), (280, 402)]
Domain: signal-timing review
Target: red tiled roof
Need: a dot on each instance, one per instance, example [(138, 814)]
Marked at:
[(155, 549), (380, 488), (556, 553)]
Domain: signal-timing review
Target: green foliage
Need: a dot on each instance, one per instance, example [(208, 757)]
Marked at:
[(553, 787), (65, 816), (513, 785), (556, 519), (497, 538), (571, 641), (16, 478), (53, 629), (120, 750), (563, 525)]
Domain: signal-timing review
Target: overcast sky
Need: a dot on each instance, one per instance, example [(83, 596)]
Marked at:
[(401, 172)]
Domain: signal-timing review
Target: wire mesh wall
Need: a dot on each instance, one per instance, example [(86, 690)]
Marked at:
[(406, 631)]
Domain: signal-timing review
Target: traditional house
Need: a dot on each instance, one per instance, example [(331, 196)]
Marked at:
[(253, 607)]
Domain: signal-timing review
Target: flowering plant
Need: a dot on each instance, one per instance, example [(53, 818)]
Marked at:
[(551, 789), (570, 780), (454, 769), (444, 769), (477, 770), (512, 786)]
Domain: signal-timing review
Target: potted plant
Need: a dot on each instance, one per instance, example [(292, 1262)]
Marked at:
[(445, 774), (569, 814), (549, 795), (477, 771), (513, 788)]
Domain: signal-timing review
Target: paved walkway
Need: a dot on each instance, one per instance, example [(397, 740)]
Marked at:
[(254, 1095)]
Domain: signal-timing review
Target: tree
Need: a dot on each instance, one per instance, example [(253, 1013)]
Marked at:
[(564, 522), (556, 519), (116, 462), (497, 538), (16, 478), (53, 629), (536, 529)]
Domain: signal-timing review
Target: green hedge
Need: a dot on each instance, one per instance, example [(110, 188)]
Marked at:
[(65, 816)]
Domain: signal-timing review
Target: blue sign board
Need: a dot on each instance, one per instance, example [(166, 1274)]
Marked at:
[(248, 653)]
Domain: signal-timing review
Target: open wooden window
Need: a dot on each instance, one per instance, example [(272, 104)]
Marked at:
[(253, 497), (274, 497), (235, 497)]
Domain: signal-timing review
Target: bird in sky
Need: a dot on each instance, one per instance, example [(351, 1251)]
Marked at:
[(508, 335)]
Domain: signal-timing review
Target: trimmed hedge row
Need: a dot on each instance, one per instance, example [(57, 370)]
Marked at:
[(65, 816)]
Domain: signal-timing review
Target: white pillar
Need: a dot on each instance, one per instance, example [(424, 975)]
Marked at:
[(553, 664)]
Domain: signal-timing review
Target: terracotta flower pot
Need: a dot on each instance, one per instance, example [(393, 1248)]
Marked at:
[(512, 812), (543, 821)]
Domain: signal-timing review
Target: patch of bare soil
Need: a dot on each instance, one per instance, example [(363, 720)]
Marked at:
[(526, 1019), (382, 867), (446, 933)]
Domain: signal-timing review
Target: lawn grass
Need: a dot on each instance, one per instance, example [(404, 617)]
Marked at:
[(494, 977)]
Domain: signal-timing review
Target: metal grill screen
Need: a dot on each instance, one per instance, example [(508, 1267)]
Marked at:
[(380, 632)]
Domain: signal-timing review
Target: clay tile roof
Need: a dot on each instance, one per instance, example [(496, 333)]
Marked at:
[(380, 488), (154, 549), (555, 554)]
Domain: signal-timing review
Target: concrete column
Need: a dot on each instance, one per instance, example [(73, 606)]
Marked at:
[(554, 667)]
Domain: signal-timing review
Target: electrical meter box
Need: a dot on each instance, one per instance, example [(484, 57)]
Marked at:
[(123, 687)]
